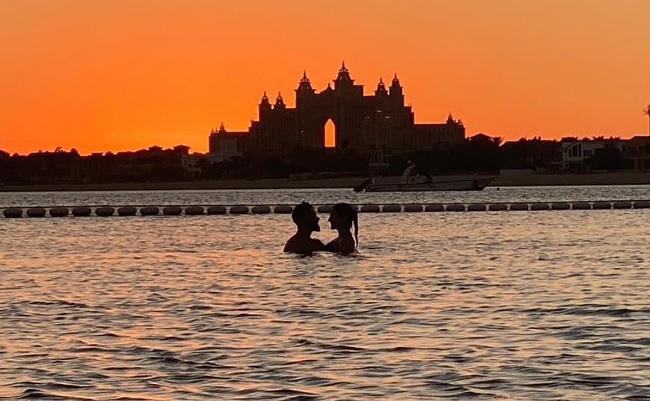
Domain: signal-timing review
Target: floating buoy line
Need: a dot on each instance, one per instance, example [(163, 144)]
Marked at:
[(107, 211)]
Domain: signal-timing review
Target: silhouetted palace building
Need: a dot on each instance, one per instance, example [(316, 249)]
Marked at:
[(361, 122)]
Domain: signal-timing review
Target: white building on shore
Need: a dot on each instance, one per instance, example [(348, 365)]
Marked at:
[(576, 153)]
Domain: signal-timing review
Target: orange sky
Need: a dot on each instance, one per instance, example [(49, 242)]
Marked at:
[(123, 75)]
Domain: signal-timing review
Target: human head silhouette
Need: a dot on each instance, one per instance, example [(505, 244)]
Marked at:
[(343, 216), (305, 218)]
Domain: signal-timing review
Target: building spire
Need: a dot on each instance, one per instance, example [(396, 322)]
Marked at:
[(265, 99), (344, 74), (304, 87), (279, 101), (264, 105), (381, 87)]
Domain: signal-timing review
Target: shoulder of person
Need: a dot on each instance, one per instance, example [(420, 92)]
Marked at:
[(290, 245)]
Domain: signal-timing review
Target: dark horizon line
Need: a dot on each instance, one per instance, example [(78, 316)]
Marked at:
[(60, 149)]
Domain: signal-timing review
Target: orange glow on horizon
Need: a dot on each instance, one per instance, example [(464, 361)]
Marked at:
[(106, 75)]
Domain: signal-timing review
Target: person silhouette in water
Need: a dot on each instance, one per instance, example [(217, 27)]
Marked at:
[(305, 218), (342, 218)]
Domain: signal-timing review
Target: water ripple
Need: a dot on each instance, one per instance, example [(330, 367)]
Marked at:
[(518, 306)]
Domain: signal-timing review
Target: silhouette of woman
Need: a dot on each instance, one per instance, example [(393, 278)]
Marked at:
[(342, 218)]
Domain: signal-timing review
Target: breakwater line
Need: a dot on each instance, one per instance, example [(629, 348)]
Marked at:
[(196, 210)]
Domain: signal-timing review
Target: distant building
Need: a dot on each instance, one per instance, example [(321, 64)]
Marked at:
[(224, 145), (638, 150), (192, 164), (364, 123), (576, 153), (536, 154)]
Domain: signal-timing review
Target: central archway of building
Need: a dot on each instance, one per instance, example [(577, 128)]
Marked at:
[(329, 139)]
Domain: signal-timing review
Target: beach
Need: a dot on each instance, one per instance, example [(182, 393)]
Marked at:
[(600, 178)]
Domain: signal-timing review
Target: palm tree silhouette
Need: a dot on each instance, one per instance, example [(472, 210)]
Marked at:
[(646, 111)]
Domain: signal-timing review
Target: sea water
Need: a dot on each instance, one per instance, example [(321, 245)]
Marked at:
[(549, 305)]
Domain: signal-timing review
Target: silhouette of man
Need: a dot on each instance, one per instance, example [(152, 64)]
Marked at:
[(305, 218)]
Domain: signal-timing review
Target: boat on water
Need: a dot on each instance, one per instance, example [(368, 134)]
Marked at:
[(409, 183)]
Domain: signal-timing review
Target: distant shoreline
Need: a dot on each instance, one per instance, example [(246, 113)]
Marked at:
[(616, 178)]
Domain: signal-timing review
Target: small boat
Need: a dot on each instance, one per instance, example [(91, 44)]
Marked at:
[(409, 183)]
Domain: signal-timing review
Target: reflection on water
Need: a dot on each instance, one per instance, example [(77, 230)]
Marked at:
[(323, 196), (487, 306)]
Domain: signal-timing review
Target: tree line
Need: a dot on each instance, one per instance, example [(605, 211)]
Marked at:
[(480, 153)]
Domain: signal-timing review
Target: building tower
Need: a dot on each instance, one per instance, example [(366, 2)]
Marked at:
[(381, 96), (396, 95), (304, 92), (343, 80), (264, 106), (279, 103)]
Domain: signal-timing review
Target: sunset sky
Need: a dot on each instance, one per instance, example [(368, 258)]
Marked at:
[(101, 75)]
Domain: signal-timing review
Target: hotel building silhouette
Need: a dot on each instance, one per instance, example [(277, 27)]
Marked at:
[(364, 123)]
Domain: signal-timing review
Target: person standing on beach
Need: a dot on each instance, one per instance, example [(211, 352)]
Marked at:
[(342, 218), (306, 220)]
